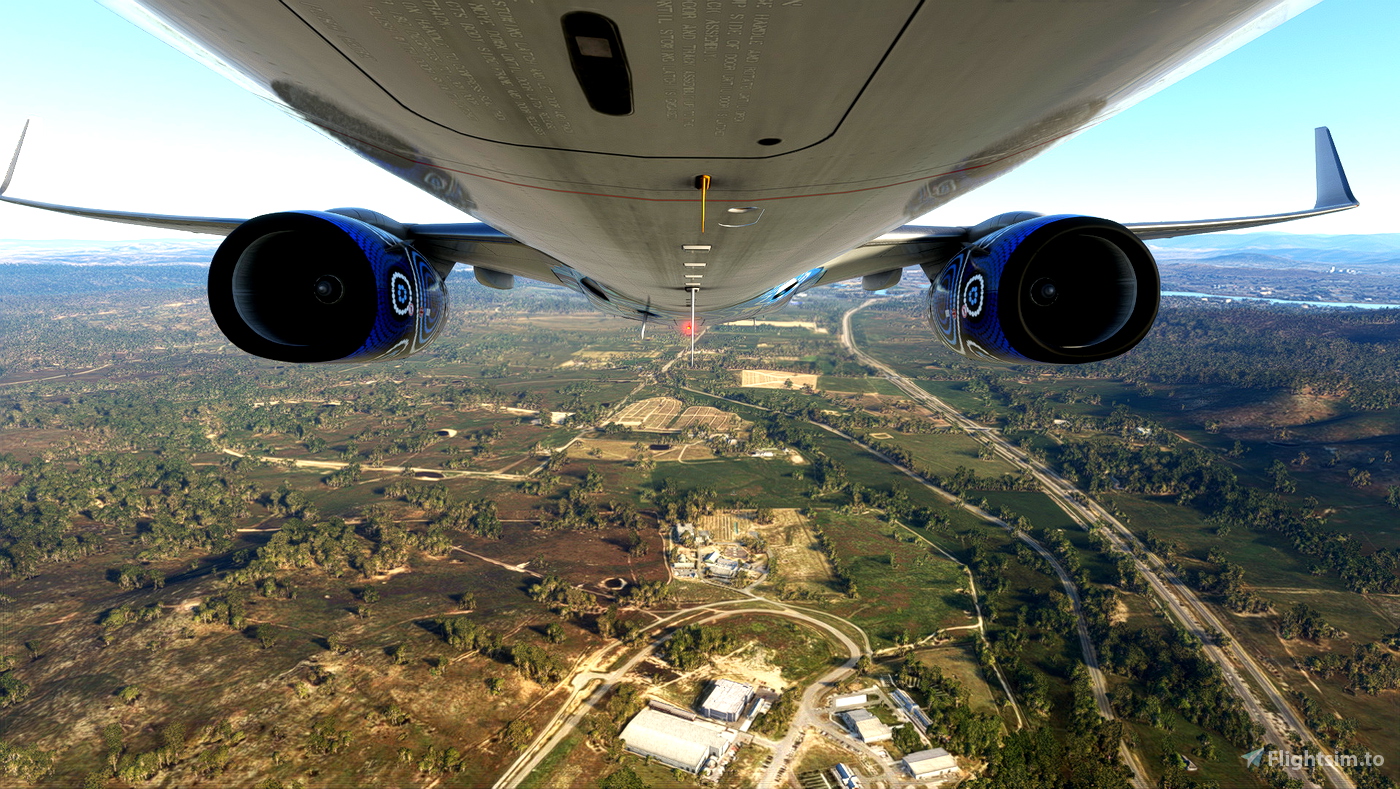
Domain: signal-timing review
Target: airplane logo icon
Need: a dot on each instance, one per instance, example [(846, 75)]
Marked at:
[(1252, 758)]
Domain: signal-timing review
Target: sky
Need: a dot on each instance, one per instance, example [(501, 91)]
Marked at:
[(124, 121)]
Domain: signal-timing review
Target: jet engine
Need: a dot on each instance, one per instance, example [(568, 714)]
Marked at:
[(312, 286), (1056, 289)]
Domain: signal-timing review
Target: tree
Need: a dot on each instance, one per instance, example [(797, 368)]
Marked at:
[(624, 778), (518, 734), (555, 633), (13, 690), (907, 739), (265, 635), (129, 694)]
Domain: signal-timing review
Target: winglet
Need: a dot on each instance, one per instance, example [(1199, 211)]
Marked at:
[(1333, 195), (14, 160), (1332, 187)]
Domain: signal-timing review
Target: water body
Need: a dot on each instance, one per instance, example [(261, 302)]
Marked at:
[(1370, 305)]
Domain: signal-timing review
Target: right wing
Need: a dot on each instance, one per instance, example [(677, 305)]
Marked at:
[(932, 247), (1333, 195)]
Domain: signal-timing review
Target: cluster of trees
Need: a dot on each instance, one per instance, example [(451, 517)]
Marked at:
[(1198, 478), (533, 662), (1369, 669), (958, 728), (562, 597), (55, 512), (691, 646), (1034, 758), (478, 516), (1228, 583), (24, 762), (1176, 676), (460, 632), (775, 723), (605, 723), (674, 505), (1328, 352), (1304, 621), (13, 690), (840, 568), (114, 619)]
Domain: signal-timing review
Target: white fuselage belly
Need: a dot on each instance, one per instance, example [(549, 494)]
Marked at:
[(884, 110)]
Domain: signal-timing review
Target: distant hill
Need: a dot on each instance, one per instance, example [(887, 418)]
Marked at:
[(154, 252), (1381, 249)]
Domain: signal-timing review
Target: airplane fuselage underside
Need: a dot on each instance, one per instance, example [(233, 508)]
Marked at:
[(835, 122)]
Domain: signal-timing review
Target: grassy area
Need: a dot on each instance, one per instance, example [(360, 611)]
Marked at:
[(906, 591), (767, 482), (958, 661), (878, 386), (1036, 506), (942, 453), (543, 777)]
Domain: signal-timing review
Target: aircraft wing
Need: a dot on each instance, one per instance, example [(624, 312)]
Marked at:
[(487, 250), (879, 262), (473, 243), (217, 226), (931, 247), (1333, 194)]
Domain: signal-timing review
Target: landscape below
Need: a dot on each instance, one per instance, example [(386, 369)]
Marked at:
[(219, 571)]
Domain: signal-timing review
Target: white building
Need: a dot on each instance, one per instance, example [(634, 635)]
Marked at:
[(676, 742), (726, 700), (866, 726), (930, 764), (846, 776), (858, 700)]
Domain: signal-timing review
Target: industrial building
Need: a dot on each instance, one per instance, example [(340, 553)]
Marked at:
[(676, 742), (866, 726), (726, 700), (930, 764), (911, 709), (846, 777)]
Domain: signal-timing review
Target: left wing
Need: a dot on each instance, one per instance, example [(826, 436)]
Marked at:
[(495, 254)]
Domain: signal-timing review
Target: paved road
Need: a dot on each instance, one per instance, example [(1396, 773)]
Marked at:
[(585, 694), (1091, 660), (1180, 599)]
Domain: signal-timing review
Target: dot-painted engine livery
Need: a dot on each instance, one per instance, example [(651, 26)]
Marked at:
[(392, 303), (977, 308)]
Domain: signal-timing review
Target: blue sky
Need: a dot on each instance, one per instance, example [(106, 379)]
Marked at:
[(124, 121)]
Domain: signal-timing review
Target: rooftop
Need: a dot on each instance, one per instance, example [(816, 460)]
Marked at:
[(681, 741), (930, 761), (728, 696)]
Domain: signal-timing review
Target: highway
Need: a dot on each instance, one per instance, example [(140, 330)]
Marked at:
[(1278, 718)]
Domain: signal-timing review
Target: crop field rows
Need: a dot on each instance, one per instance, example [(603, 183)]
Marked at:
[(655, 413)]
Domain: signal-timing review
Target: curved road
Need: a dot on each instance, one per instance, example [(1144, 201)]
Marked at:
[(574, 709)]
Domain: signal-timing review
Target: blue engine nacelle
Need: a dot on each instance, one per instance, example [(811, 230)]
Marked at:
[(1054, 289), (311, 286)]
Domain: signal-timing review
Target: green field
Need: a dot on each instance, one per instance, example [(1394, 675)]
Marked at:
[(906, 591), (878, 386)]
